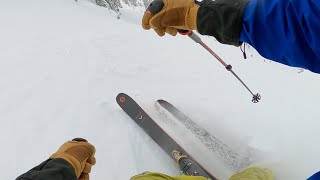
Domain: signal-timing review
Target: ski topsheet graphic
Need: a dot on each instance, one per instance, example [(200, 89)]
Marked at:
[(167, 143)]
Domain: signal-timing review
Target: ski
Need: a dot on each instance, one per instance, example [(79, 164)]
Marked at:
[(232, 159), (167, 143)]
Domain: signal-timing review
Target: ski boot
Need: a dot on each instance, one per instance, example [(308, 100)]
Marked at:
[(187, 166)]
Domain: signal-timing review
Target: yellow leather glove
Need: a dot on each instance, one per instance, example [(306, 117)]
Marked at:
[(167, 16), (80, 154)]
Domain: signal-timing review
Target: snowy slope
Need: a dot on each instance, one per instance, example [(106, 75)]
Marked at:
[(63, 63)]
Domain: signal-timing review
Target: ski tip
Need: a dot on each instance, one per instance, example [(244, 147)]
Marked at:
[(121, 98), (162, 102)]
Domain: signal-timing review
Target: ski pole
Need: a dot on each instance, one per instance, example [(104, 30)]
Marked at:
[(156, 7), (197, 39)]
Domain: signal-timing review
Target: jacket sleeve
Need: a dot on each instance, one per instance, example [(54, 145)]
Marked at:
[(315, 176), (286, 31), (221, 19), (52, 169)]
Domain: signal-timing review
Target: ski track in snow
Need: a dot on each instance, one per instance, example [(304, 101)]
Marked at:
[(233, 158), (63, 63)]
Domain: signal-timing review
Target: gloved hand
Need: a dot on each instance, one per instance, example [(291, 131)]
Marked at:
[(80, 154), (167, 16)]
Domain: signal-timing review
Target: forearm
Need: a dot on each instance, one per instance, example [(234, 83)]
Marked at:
[(286, 31), (52, 169)]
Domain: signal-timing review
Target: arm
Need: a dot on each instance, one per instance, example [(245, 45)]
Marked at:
[(52, 169), (72, 161), (286, 31)]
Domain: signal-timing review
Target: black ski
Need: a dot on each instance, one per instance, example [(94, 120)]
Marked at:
[(157, 133), (231, 158)]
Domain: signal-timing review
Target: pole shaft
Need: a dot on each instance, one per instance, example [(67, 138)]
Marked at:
[(197, 39)]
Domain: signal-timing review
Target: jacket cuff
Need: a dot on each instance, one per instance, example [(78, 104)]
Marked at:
[(221, 19)]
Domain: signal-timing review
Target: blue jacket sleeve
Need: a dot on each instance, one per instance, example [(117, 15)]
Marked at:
[(315, 176), (285, 31)]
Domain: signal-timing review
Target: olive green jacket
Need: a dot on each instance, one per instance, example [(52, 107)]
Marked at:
[(252, 173), (159, 176)]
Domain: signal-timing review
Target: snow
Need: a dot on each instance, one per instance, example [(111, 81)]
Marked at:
[(64, 62)]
